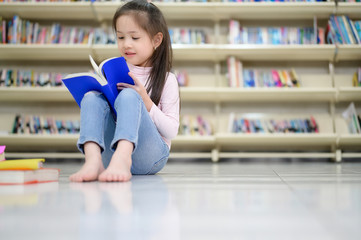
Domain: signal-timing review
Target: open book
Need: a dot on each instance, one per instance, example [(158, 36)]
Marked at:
[(110, 72)]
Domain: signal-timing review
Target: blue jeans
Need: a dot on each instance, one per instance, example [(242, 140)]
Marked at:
[(133, 123)]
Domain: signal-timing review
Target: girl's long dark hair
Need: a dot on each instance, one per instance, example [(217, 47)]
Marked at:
[(151, 19)]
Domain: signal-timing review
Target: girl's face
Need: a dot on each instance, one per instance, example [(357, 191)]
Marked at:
[(134, 43)]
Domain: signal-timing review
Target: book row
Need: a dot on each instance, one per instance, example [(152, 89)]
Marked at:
[(239, 77), (17, 31), (342, 30), (195, 126), (33, 124), (239, 34), (29, 78), (187, 36), (254, 125)]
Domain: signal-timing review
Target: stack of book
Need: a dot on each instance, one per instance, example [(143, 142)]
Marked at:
[(26, 171)]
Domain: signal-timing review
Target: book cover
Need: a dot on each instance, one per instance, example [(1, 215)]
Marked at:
[(22, 164), (110, 72), (41, 175), (2, 153)]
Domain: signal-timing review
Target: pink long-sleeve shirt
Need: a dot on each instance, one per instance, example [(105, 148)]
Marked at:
[(166, 115)]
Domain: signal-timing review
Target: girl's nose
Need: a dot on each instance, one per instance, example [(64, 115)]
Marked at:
[(127, 43)]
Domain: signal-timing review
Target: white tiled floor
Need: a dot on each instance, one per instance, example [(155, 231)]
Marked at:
[(254, 199)]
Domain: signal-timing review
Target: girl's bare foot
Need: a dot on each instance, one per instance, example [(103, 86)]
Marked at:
[(120, 164), (93, 165)]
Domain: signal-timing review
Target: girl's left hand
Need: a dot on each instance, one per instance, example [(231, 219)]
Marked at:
[(139, 88)]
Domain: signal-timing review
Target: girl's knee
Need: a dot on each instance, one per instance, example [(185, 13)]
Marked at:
[(127, 94), (91, 98)]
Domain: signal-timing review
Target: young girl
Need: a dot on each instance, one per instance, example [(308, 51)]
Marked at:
[(138, 141)]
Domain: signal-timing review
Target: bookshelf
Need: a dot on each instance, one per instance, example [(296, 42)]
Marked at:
[(207, 92)]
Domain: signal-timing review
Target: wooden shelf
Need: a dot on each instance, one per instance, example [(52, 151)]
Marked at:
[(276, 52), (194, 140), (348, 52), (47, 10), (35, 94), (199, 94), (349, 140), (21, 142), (44, 52), (213, 52), (276, 139), (351, 9), (68, 141), (186, 10), (349, 94), (205, 52), (225, 94)]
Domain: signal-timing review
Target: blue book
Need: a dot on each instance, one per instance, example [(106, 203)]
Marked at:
[(110, 72)]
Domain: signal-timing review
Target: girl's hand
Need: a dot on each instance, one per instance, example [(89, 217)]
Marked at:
[(139, 88)]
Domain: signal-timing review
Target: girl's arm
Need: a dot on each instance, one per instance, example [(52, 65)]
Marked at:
[(166, 116)]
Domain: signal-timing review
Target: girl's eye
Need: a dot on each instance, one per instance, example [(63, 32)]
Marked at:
[(121, 38), (135, 38)]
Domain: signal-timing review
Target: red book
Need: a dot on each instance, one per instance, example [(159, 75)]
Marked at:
[(41, 175)]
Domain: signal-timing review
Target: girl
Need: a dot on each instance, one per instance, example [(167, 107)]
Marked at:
[(138, 141)]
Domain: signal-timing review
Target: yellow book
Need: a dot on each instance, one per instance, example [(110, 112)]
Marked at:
[(22, 164), (354, 80)]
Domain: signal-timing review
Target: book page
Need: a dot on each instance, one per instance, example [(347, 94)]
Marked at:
[(95, 66)]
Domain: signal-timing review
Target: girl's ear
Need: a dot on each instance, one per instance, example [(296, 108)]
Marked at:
[(157, 40)]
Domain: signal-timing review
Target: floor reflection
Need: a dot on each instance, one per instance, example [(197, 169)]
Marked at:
[(139, 209)]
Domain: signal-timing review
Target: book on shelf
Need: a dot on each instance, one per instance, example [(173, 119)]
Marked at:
[(182, 77), (187, 36), (353, 121), (356, 79), (252, 125), (195, 126), (239, 34), (2, 152), (342, 30), (26, 171), (19, 31), (110, 72), (35, 124), (29, 78), (250, 78)]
